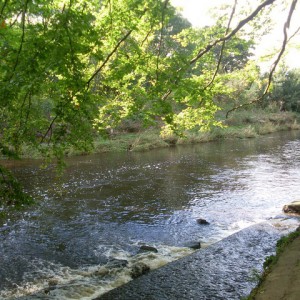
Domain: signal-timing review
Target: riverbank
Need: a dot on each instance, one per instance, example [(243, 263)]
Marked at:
[(241, 124), (281, 278)]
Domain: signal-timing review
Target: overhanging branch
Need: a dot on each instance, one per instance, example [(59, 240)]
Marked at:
[(233, 32), (276, 62), (108, 57), (22, 39), (161, 37), (228, 36)]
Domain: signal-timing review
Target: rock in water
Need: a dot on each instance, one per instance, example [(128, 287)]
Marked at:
[(193, 245), (117, 263), (148, 248), (202, 222), (292, 208), (139, 269)]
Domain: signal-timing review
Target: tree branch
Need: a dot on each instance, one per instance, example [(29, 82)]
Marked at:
[(233, 32), (21, 111), (22, 38), (241, 24), (49, 129), (161, 37), (273, 68), (108, 57), (294, 34), (146, 37), (2, 9), (222, 48)]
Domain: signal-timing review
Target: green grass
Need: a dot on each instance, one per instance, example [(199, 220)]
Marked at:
[(142, 141)]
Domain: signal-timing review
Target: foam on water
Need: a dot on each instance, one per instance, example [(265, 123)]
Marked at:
[(91, 281)]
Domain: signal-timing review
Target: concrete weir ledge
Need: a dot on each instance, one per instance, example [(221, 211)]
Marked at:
[(225, 270)]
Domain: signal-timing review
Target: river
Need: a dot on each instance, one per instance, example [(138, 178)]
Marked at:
[(74, 242)]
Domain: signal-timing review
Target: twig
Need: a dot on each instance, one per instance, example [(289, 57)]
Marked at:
[(294, 34)]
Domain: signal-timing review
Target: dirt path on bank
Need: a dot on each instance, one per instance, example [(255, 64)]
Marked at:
[(283, 281)]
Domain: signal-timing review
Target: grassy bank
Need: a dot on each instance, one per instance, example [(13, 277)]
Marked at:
[(240, 124), (271, 261)]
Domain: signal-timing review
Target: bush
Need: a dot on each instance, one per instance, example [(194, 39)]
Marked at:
[(286, 91)]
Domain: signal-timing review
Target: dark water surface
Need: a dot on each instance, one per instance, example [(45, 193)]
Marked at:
[(105, 206)]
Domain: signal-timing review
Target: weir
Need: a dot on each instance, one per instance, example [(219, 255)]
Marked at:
[(228, 269)]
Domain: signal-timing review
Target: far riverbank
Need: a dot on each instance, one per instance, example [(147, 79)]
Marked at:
[(131, 136), (241, 124)]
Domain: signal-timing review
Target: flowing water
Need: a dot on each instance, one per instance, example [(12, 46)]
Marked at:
[(83, 235)]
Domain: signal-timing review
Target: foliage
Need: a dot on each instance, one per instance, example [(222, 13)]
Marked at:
[(73, 67), (286, 89)]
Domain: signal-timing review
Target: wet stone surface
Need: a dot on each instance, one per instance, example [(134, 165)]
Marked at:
[(225, 270)]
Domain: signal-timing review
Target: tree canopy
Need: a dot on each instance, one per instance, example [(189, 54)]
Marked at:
[(73, 69)]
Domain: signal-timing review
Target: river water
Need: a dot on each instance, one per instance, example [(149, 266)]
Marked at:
[(74, 243)]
